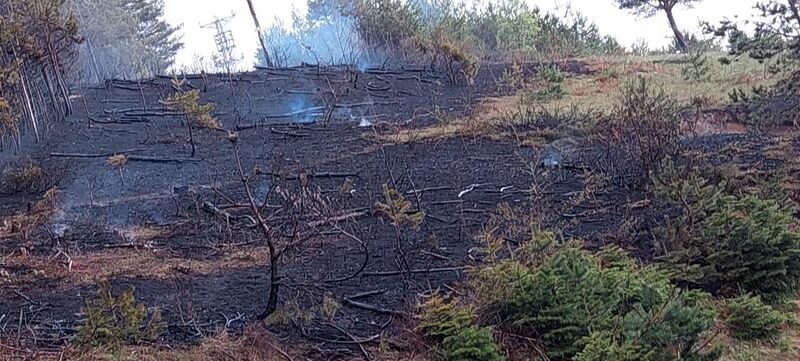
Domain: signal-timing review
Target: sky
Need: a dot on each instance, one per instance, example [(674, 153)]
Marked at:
[(626, 28)]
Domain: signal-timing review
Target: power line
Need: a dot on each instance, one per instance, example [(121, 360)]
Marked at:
[(225, 58)]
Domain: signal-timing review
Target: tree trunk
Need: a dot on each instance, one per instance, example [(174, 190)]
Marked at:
[(28, 104), (93, 58), (274, 284), (260, 34), (191, 135), (679, 39), (51, 91)]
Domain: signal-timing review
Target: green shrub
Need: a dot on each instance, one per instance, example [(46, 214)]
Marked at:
[(696, 68), (749, 318), (113, 321), (725, 243), (469, 344), (452, 328), (552, 81), (602, 346), (440, 319), (646, 125), (572, 35), (588, 306)]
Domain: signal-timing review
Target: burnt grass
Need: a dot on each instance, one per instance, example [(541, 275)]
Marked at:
[(287, 124)]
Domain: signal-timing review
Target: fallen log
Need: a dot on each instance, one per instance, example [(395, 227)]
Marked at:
[(373, 308), (415, 271), (136, 158), (130, 158), (87, 155), (281, 132)]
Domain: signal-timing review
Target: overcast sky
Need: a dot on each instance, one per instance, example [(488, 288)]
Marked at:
[(623, 26)]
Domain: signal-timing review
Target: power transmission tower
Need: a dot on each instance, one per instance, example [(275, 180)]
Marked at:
[(225, 58)]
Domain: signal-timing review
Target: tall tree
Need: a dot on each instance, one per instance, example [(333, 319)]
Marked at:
[(125, 38), (260, 33), (776, 32), (649, 8)]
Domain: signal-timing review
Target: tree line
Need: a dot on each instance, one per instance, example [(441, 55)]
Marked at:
[(46, 45)]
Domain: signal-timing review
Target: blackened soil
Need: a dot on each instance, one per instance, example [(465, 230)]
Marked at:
[(302, 121)]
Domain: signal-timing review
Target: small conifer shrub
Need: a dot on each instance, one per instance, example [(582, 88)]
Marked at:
[(115, 321), (749, 318)]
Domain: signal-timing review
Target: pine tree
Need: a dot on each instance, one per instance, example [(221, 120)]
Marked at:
[(591, 307), (749, 318), (125, 38), (726, 243)]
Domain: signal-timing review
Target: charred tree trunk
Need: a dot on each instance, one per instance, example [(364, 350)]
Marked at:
[(679, 39), (274, 286), (51, 91), (28, 104), (191, 135), (260, 34), (60, 82)]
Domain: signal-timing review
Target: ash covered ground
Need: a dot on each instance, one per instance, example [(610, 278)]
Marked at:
[(147, 223)]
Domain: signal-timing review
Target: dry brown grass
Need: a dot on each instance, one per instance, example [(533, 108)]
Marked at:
[(152, 264), (599, 87), (88, 268), (117, 160), (37, 214), (255, 344), (480, 123), (22, 176)]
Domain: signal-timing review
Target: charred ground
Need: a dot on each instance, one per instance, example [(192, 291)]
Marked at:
[(147, 224)]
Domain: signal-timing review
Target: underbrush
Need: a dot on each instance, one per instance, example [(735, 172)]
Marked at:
[(576, 305), (726, 243), (116, 321)]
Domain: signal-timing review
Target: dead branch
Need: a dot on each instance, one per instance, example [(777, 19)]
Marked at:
[(363, 265), (373, 308), (276, 131), (131, 158), (416, 271), (355, 340)]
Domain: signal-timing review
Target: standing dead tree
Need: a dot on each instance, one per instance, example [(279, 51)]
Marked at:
[(290, 216), (260, 33)]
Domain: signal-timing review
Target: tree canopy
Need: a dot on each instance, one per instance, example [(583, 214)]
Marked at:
[(649, 8)]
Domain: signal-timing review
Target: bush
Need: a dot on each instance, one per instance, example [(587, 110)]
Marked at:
[(725, 243), (452, 328), (646, 125), (469, 344), (440, 319), (552, 84), (22, 176), (571, 36), (592, 306), (749, 318), (114, 321), (696, 68)]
